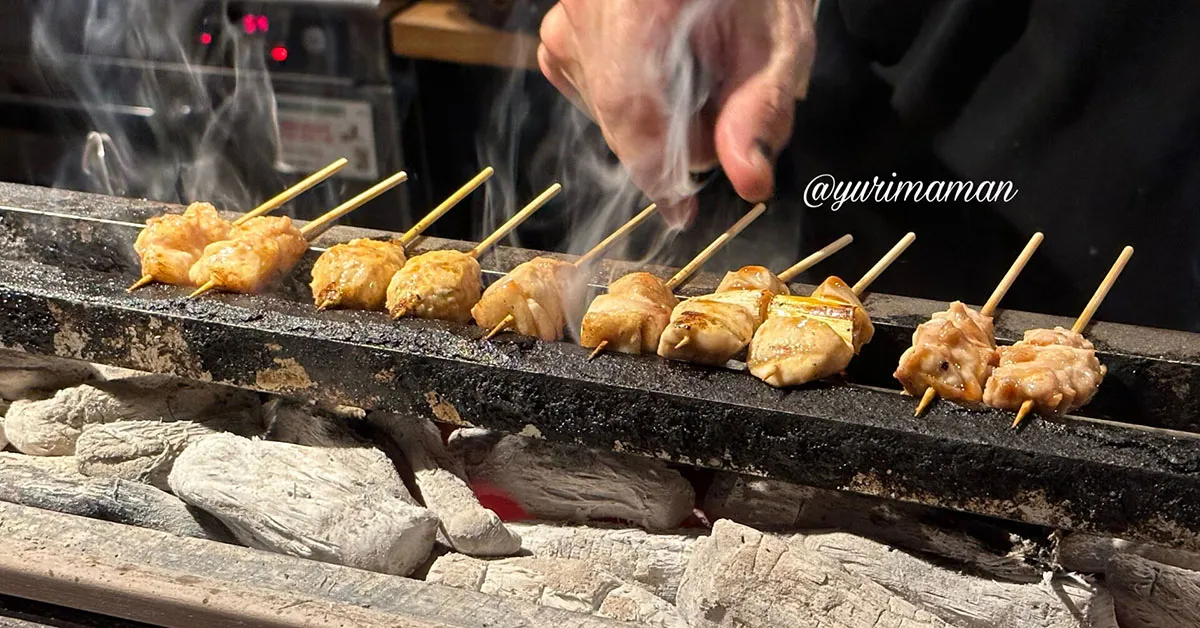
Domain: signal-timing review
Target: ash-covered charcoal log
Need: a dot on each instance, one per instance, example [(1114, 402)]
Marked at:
[(263, 249), (172, 243), (1052, 371), (466, 525), (563, 583), (355, 274), (28, 376), (50, 427), (570, 483), (445, 285), (342, 505), (536, 297), (1153, 595), (953, 353), (136, 451), (808, 338)]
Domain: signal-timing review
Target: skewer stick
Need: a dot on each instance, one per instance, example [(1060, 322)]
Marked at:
[(1086, 316), (313, 228), (599, 348), (303, 186), (993, 302), (145, 280), (212, 283), (621, 232), (683, 343), (446, 205), (883, 263), (815, 258), (926, 399), (716, 245), (516, 220)]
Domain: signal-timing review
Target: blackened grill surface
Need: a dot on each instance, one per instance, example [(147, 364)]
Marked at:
[(66, 296)]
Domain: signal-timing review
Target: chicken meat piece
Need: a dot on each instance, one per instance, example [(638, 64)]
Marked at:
[(834, 289), (713, 328), (257, 254), (954, 353), (794, 350), (355, 275), (752, 278), (1055, 368), (170, 244), (441, 285), (536, 294), (631, 317)]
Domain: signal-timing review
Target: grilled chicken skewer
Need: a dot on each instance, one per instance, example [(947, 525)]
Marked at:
[(535, 297), (953, 353), (356, 274), (446, 284), (1054, 371), (807, 338), (265, 248), (170, 244)]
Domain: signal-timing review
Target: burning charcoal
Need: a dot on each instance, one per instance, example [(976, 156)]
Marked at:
[(293, 422), (50, 427), (138, 451), (654, 561), (964, 539), (468, 526), (1153, 595), (338, 505), (1087, 553), (567, 584), (27, 376), (565, 482), (54, 484)]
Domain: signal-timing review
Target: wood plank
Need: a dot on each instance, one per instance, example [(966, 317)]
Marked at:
[(441, 30), (153, 577)]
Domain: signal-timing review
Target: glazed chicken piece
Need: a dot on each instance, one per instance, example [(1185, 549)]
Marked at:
[(954, 353), (834, 289), (536, 294), (631, 317), (170, 244), (752, 278), (442, 285), (356, 274), (713, 328), (1056, 368), (258, 253)]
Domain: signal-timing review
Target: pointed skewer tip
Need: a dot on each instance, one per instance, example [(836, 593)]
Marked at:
[(202, 289), (926, 399), (1026, 408), (141, 283), (501, 326), (599, 349)]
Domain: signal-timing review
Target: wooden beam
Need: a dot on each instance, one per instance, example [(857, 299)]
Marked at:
[(441, 30)]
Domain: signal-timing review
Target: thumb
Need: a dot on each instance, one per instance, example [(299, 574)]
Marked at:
[(754, 124)]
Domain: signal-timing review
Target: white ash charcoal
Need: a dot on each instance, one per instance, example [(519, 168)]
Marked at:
[(138, 451), (289, 421), (571, 483), (565, 584), (50, 427), (3, 438), (1153, 595), (467, 526), (745, 578), (961, 599), (1089, 553), (654, 561), (773, 505), (339, 505), (54, 484), (28, 376)]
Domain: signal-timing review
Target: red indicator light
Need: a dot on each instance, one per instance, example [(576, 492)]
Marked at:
[(205, 38), (279, 53), (249, 24), (263, 23)]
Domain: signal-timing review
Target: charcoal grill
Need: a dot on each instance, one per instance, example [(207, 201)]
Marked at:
[(1129, 466)]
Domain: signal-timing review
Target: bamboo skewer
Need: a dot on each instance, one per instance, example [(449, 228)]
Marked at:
[(445, 206), (1085, 317), (612, 238), (310, 230), (883, 263), (716, 245), (816, 258), (993, 302), (272, 204)]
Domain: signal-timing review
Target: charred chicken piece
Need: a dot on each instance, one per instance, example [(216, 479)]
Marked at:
[(631, 317), (752, 278), (1055, 368), (713, 328), (954, 353), (170, 244), (442, 285), (356, 274), (536, 294), (257, 254)]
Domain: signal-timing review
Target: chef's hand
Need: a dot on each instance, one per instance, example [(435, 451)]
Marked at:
[(609, 58)]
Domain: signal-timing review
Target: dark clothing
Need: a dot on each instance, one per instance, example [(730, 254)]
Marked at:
[(1092, 109)]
